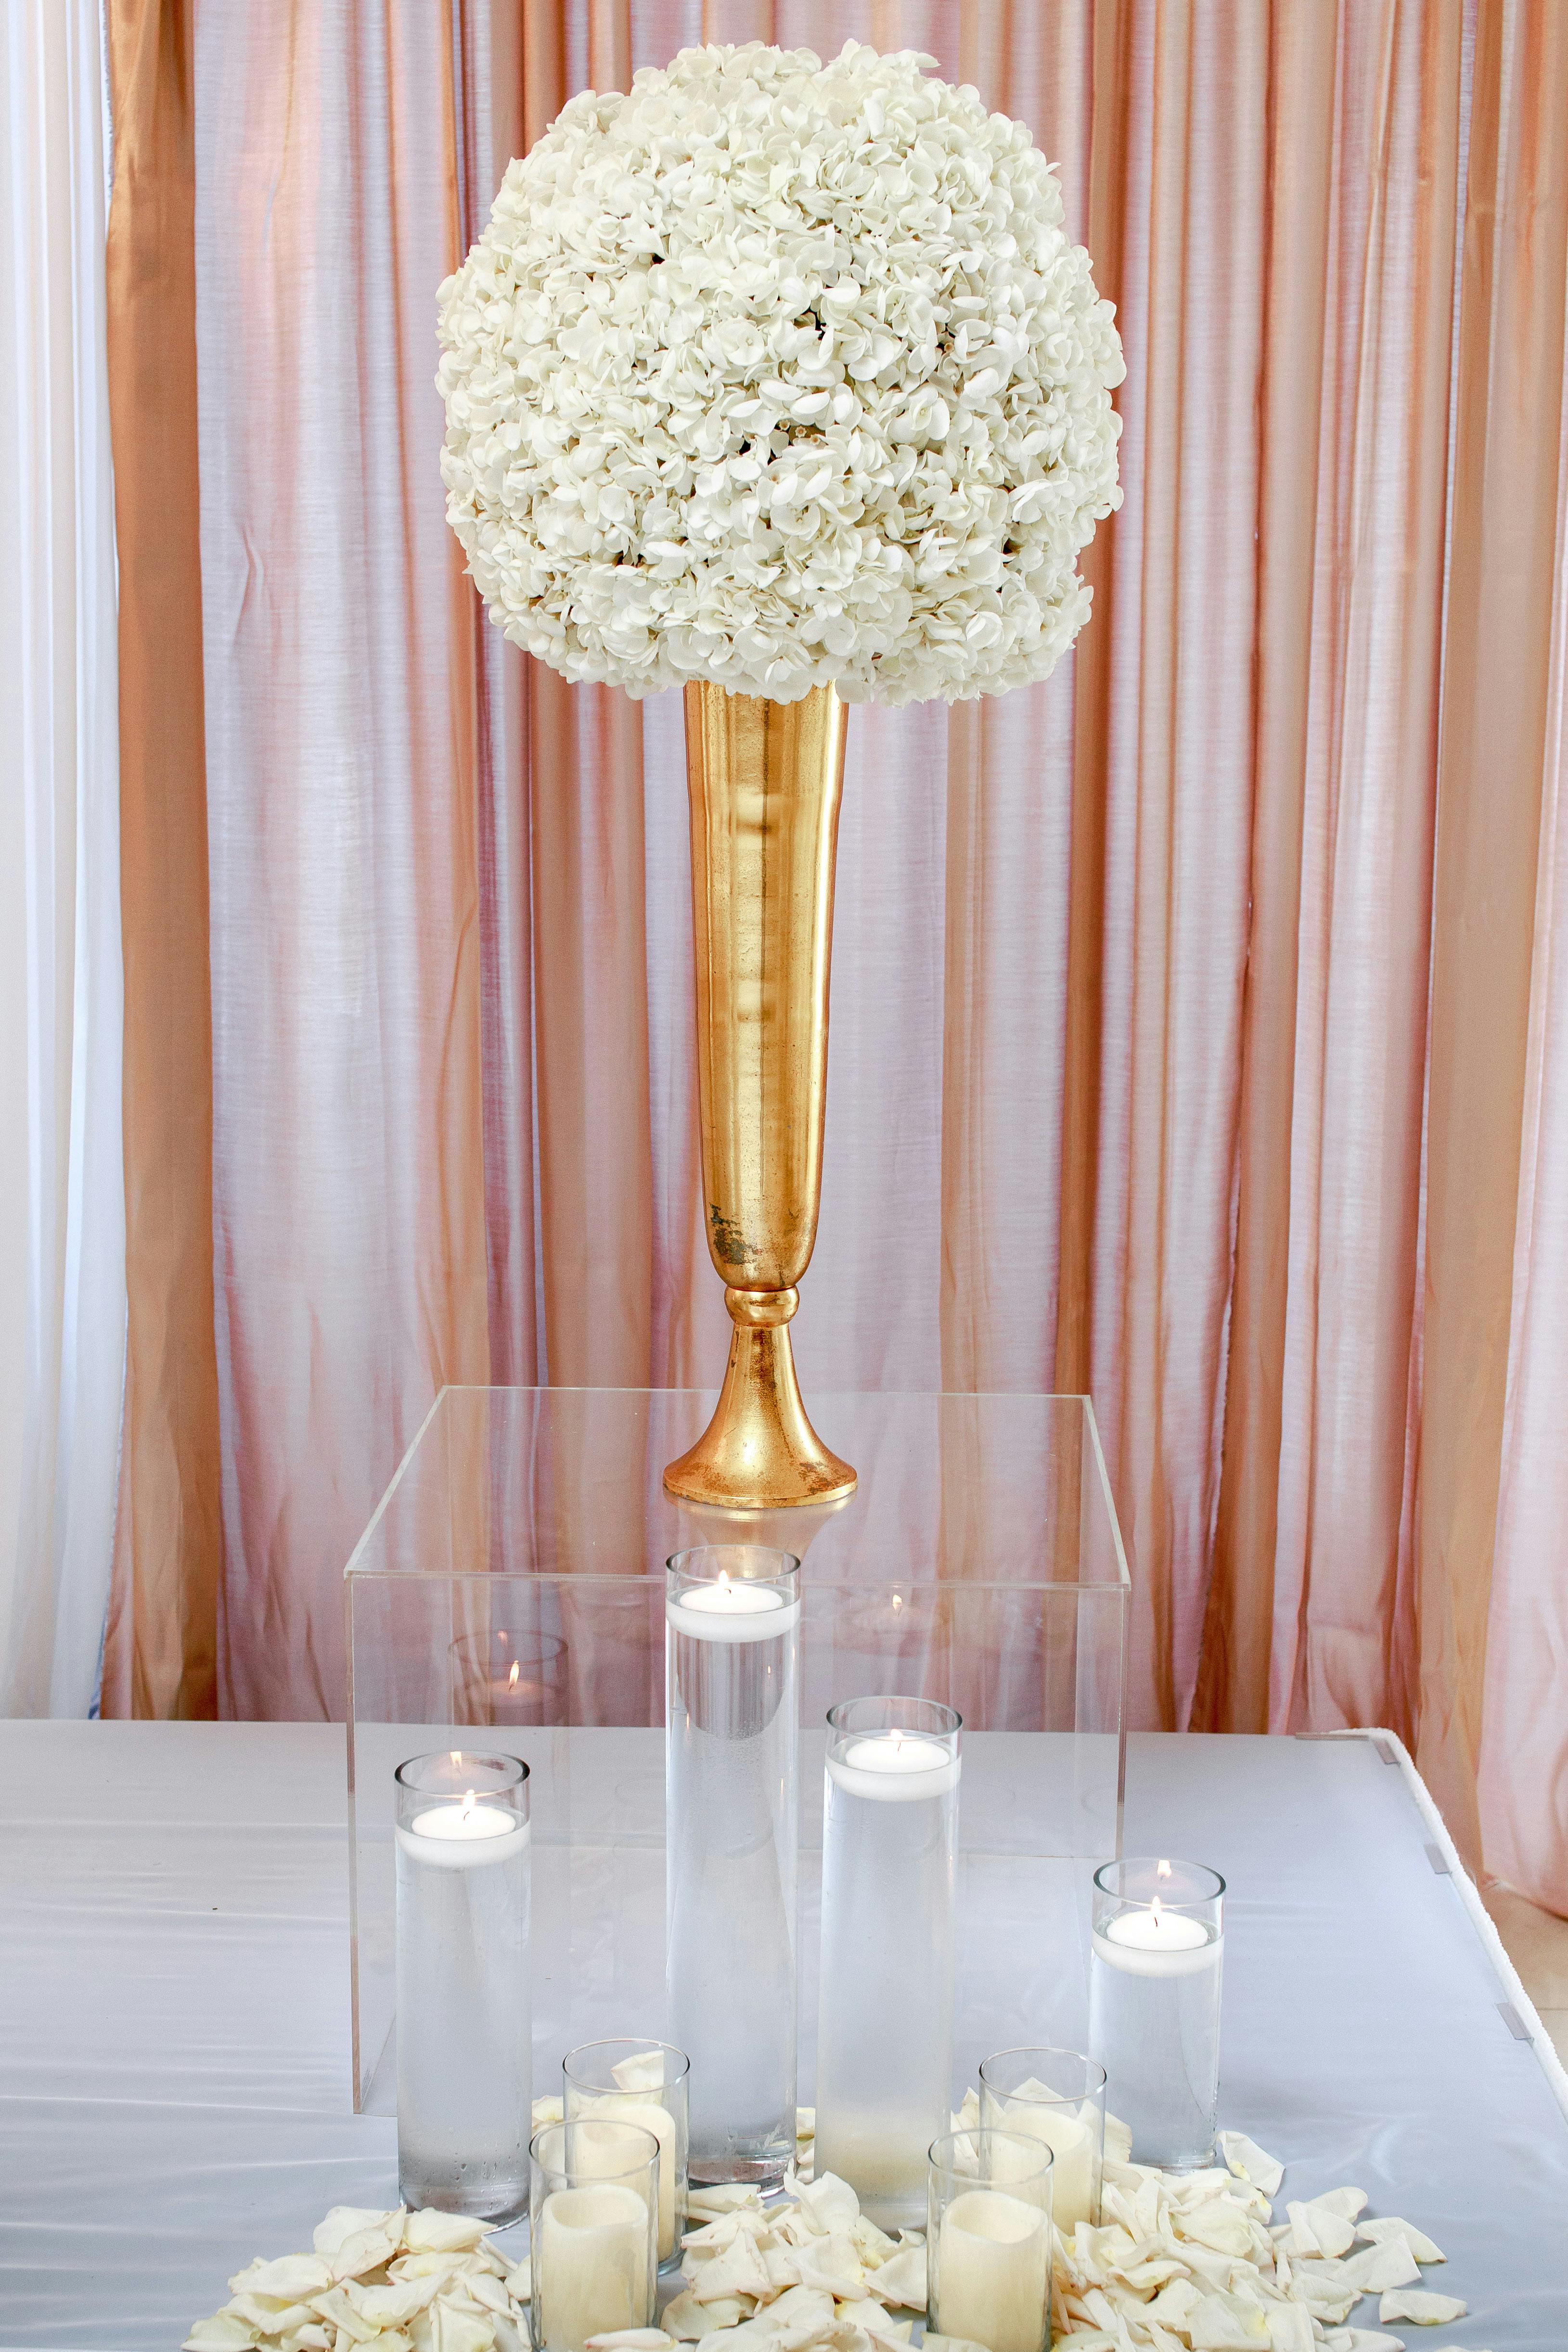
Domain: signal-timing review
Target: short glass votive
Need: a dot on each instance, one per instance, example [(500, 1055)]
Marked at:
[(593, 2231), (1057, 2096), (884, 2034), (1154, 2000), (509, 1680), (731, 1839), (989, 2240), (465, 2023), (646, 2084)]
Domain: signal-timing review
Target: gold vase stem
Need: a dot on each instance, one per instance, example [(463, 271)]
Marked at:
[(764, 780)]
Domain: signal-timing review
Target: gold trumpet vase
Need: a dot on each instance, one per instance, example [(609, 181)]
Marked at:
[(764, 780)]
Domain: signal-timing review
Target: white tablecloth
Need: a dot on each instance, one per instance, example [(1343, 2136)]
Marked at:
[(174, 2030)]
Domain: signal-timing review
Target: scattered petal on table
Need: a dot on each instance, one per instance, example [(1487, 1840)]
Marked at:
[(1378, 2266), (345, 2221), (1421, 2305), (728, 2197), (829, 2203), (1314, 2230), (1224, 2323), (292, 2278), (427, 2232), (1419, 2244), (902, 2278), (453, 2329), (1248, 2162), (1291, 2328)]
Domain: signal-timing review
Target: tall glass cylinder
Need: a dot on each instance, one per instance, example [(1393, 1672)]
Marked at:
[(989, 2241), (1057, 2096), (593, 2231), (731, 1654), (884, 2034), (648, 2084), (465, 2023), (1154, 1989)]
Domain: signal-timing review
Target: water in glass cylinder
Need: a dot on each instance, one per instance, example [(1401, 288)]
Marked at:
[(884, 2044), (1156, 2033), (730, 1860), (465, 2030)]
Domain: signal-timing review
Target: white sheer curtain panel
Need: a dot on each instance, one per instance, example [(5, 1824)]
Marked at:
[(62, 1257)]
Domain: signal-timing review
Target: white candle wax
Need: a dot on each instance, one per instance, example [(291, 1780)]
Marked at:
[(470, 1836), (1071, 2143), (600, 2153), (994, 2270), (590, 2267), (732, 1611), (1157, 1943), (895, 1767)]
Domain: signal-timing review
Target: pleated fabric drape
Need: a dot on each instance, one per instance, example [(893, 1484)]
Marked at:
[(63, 1216), (1195, 1024), (162, 1645)]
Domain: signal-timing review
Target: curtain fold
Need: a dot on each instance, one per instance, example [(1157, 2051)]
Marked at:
[(1507, 556), (62, 1219), (162, 1649), (1197, 1012)]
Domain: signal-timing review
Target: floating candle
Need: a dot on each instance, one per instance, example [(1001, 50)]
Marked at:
[(731, 1610), (465, 1835), (895, 1767), (1157, 1942)]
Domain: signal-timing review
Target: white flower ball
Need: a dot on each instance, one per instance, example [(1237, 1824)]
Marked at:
[(781, 374)]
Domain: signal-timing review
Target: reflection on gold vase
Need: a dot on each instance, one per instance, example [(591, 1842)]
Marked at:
[(764, 780)]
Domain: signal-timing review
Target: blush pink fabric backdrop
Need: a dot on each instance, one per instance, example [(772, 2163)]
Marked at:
[(1158, 989)]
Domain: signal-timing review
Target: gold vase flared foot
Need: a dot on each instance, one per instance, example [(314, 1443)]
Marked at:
[(760, 1451)]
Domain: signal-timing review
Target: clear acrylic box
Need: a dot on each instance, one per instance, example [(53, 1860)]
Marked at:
[(512, 1582)]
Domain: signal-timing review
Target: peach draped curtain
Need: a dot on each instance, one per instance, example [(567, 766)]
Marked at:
[(1199, 1033)]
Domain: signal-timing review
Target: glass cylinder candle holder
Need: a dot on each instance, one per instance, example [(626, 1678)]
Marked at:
[(731, 1666), (593, 2231), (646, 2084), (884, 2034), (989, 2240), (1057, 2096), (1154, 1985), (465, 2025)]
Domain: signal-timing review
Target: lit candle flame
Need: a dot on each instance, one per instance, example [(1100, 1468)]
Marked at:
[(897, 1600), (1154, 1909), (469, 1805), (1162, 1870), (456, 1755), (898, 1741), (512, 1678)]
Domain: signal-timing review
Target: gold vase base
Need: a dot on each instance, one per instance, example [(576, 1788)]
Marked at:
[(759, 1452)]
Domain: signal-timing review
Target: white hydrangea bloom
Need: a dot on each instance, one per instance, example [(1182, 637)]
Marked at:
[(781, 374)]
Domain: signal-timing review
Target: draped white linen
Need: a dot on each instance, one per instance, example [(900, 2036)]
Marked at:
[(62, 1255)]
